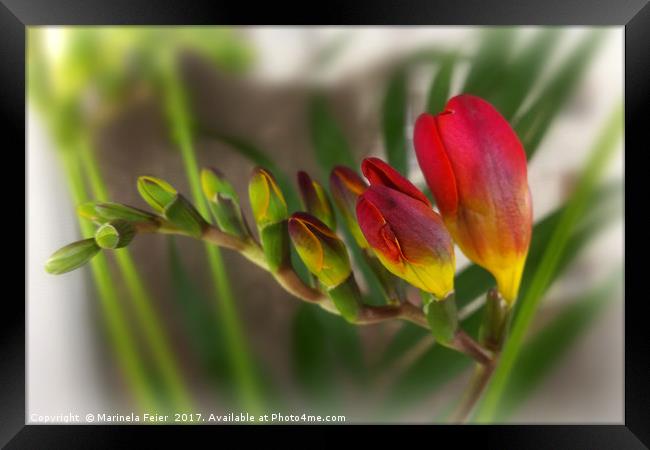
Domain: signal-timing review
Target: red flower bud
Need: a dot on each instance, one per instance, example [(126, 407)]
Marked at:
[(476, 168), (380, 173), (408, 237)]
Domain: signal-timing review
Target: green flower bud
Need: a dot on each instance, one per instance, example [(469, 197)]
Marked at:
[(442, 317), (156, 192), (72, 256), (315, 200), (102, 212), (322, 251), (275, 244), (347, 298), (115, 234), (224, 203), (267, 202), (182, 214)]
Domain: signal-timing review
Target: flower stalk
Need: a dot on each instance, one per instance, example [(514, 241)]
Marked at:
[(335, 296)]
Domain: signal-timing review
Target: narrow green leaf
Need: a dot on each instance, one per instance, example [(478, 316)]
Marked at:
[(199, 321), (330, 146), (430, 372), (394, 120), (529, 302), (312, 362), (407, 337), (344, 344), (206, 337), (489, 64), (440, 89), (525, 70), (545, 350), (533, 124), (475, 281)]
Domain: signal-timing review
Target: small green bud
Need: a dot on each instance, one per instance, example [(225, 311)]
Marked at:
[(315, 200), (267, 202), (322, 251), (224, 203), (347, 298), (102, 212), (275, 243), (115, 234), (182, 214), (156, 192), (442, 317), (72, 256), (213, 183)]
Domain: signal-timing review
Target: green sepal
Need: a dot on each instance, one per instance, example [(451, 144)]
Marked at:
[(72, 256), (495, 321), (102, 212), (156, 192), (182, 214), (213, 183), (228, 215), (442, 316), (224, 203), (115, 234), (347, 298), (275, 243)]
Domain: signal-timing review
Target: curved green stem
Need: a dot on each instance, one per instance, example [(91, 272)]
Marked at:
[(146, 316), (178, 115), (119, 335)]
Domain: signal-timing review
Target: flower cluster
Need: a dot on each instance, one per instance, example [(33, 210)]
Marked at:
[(474, 165)]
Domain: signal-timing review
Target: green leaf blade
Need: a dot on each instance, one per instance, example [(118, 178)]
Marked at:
[(330, 145), (394, 120)]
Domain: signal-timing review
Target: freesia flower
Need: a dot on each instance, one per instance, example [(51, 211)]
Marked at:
[(407, 235), (475, 167)]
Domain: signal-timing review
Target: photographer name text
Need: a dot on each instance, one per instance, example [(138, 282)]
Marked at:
[(197, 418)]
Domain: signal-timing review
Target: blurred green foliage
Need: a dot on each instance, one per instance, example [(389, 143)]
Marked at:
[(80, 77)]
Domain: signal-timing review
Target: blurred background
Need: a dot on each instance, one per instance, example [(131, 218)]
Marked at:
[(146, 329)]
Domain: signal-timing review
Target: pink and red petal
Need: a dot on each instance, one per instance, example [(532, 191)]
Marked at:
[(435, 165), (380, 173)]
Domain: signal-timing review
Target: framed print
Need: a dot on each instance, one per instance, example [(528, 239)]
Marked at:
[(416, 217)]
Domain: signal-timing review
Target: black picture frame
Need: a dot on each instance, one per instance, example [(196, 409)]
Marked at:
[(633, 15)]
